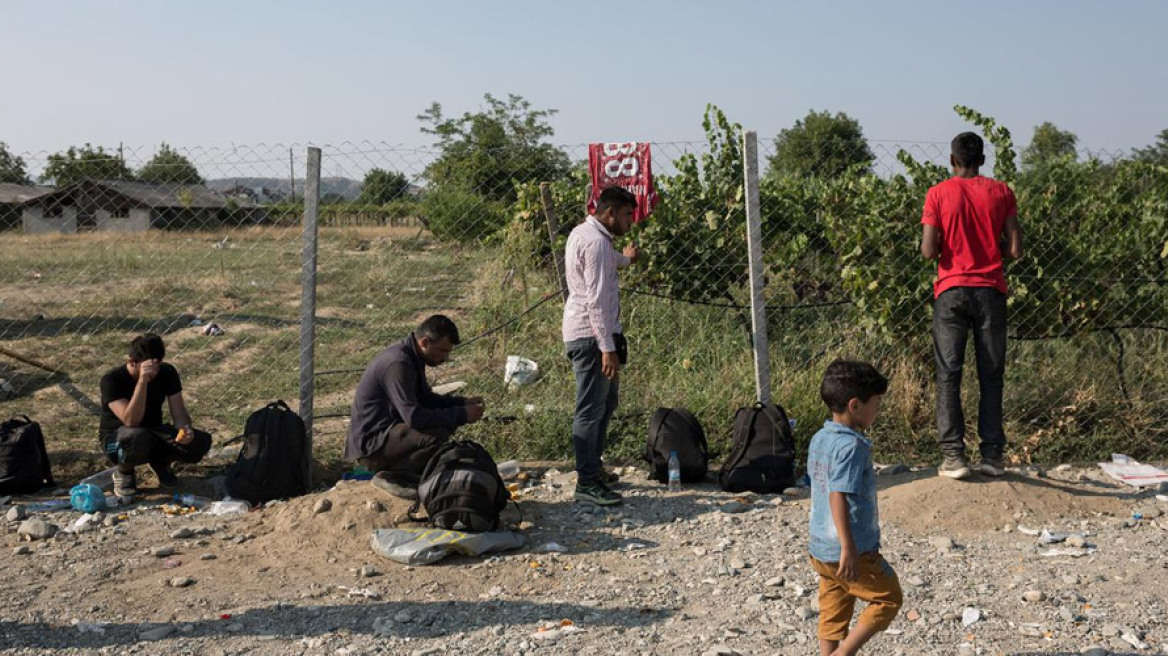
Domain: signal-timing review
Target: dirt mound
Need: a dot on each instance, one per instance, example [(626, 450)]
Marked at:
[(928, 503)]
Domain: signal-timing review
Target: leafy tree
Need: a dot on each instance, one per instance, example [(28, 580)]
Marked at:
[(86, 163), (821, 145), (12, 167), (1048, 144), (168, 165), (485, 151), (383, 186), (1157, 153)]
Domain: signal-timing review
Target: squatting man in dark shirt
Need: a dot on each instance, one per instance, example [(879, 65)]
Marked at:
[(131, 431), (398, 421)]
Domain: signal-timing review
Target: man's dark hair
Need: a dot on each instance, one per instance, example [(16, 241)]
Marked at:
[(616, 198), (845, 380), (437, 326), (147, 347), (968, 149)]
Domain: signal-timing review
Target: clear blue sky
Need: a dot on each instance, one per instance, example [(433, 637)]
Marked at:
[(213, 72)]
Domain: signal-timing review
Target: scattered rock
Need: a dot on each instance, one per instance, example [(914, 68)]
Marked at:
[(162, 552), (1094, 650), (208, 556), (1076, 541), (157, 633), (21, 550), (375, 506), (720, 650), (36, 529), (182, 534), (181, 582), (916, 581), (912, 616), (1034, 596), (737, 563), (15, 514), (734, 507), (322, 506), (942, 542), (369, 571)]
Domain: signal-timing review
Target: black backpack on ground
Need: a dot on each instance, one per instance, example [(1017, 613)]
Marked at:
[(676, 429), (461, 489), (273, 463), (763, 456), (24, 462)]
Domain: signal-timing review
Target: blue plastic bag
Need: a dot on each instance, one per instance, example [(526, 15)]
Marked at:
[(87, 497)]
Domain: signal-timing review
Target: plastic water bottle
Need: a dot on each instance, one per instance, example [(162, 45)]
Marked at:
[(192, 500), (508, 469), (674, 472)]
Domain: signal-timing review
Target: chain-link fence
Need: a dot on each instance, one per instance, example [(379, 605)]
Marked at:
[(119, 242)]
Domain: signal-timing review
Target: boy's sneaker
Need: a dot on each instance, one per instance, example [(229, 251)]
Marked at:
[(166, 476), (954, 467), (125, 484), (397, 484), (992, 466), (597, 493)]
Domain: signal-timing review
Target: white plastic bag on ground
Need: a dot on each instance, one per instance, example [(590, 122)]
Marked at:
[(422, 546), (519, 371), (1126, 470)]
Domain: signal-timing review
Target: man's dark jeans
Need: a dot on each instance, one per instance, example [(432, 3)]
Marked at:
[(130, 447), (596, 400), (956, 312)]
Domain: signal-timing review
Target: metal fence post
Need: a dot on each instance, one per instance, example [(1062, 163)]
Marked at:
[(762, 363), (308, 292)]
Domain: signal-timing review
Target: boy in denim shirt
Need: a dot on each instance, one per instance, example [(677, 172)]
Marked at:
[(845, 527)]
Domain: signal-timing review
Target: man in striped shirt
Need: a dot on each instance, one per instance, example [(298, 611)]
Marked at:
[(593, 334)]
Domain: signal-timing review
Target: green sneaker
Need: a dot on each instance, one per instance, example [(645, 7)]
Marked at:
[(597, 493)]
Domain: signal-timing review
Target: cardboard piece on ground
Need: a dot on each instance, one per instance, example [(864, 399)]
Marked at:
[(1126, 470)]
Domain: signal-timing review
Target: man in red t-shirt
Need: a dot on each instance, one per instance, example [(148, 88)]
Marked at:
[(969, 221)]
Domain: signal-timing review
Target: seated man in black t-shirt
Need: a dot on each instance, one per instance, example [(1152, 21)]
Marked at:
[(131, 429)]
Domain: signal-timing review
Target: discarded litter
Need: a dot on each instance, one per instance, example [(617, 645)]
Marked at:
[(359, 473), (212, 330), (89, 627), (86, 498), (192, 500), (228, 506), (47, 506), (508, 468), (1073, 552), (1054, 538), (1126, 470), (360, 592), (1028, 531), (426, 546), (103, 479), (519, 371), (84, 523)]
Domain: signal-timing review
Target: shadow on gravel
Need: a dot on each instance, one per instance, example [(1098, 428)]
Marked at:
[(426, 620)]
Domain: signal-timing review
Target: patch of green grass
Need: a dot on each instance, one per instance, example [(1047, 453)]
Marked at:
[(1063, 397)]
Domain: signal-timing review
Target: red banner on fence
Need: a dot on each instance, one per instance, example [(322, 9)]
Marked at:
[(628, 165)]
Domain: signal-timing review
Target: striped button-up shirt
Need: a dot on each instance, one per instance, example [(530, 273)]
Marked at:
[(593, 305)]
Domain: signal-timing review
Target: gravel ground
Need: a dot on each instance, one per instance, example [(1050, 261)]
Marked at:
[(692, 572)]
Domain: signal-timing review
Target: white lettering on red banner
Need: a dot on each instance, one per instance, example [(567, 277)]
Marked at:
[(628, 165)]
